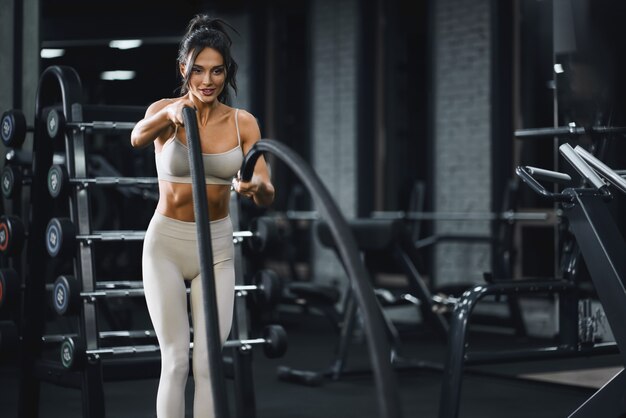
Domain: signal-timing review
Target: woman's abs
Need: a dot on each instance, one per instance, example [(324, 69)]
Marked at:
[(176, 201)]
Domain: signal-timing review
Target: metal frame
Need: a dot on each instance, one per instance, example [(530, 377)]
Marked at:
[(245, 399), (603, 247), (386, 384), (55, 80)]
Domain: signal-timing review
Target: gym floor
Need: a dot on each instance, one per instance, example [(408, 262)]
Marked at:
[(490, 391)]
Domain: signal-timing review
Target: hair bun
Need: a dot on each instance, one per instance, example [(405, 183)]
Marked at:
[(205, 22)]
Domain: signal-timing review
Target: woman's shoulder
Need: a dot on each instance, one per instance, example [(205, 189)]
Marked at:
[(245, 118), (248, 125), (160, 104)]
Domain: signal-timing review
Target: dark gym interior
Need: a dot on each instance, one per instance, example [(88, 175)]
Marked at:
[(445, 239)]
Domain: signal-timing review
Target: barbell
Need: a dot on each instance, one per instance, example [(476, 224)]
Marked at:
[(102, 335), (61, 236), (66, 294), (508, 216), (58, 181), (56, 124), (74, 355), (14, 127)]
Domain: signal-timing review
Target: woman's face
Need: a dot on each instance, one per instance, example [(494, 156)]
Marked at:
[(208, 76)]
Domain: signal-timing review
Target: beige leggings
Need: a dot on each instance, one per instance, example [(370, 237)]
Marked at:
[(170, 256)]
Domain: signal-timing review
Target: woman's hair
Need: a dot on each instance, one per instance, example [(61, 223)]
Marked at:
[(206, 32)]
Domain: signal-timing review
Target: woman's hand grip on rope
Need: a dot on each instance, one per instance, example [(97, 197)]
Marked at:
[(249, 161)]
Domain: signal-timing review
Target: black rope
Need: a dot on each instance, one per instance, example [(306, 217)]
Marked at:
[(380, 353), (201, 212)]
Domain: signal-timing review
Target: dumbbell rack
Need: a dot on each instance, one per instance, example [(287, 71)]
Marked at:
[(54, 82), (62, 85), (245, 400), (12, 229)]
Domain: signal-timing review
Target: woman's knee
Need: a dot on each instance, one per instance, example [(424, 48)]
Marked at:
[(175, 363)]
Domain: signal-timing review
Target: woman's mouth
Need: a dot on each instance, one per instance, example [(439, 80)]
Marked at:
[(207, 92)]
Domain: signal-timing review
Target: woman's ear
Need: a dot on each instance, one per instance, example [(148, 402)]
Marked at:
[(182, 67)]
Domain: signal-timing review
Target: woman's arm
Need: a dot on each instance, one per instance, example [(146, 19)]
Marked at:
[(157, 123), (260, 187)]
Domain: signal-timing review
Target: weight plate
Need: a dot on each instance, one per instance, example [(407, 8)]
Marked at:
[(276, 341), (56, 178), (12, 235), (60, 296), (269, 287), (52, 123), (7, 128), (13, 129), (8, 182), (54, 238), (4, 235), (67, 353)]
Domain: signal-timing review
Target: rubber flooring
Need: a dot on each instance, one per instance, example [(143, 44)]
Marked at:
[(492, 391)]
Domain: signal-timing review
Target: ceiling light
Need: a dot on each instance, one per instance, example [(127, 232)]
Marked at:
[(125, 43), (117, 75), (51, 53), (558, 68)]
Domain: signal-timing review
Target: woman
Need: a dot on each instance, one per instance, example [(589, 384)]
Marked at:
[(170, 253)]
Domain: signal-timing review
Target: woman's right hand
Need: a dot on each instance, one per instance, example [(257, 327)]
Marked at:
[(160, 121), (175, 110)]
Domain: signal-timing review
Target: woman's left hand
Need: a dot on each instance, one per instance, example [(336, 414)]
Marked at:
[(245, 188), (254, 189)]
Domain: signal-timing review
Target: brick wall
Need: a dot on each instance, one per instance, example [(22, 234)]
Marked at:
[(461, 75), (333, 111), (241, 53)]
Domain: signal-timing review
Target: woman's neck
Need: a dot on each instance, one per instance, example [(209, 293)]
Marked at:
[(207, 111)]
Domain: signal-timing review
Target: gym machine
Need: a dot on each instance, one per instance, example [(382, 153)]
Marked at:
[(602, 246)]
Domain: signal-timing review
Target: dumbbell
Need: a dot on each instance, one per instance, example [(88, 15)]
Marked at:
[(274, 342), (66, 294), (103, 335), (266, 230), (267, 288), (61, 236), (56, 125), (12, 235), (74, 355), (59, 181), (12, 180), (14, 128), (9, 288)]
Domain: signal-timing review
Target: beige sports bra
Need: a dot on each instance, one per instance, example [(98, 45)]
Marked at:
[(172, 163)]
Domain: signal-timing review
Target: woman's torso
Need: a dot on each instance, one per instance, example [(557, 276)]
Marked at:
[(220, 143)]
